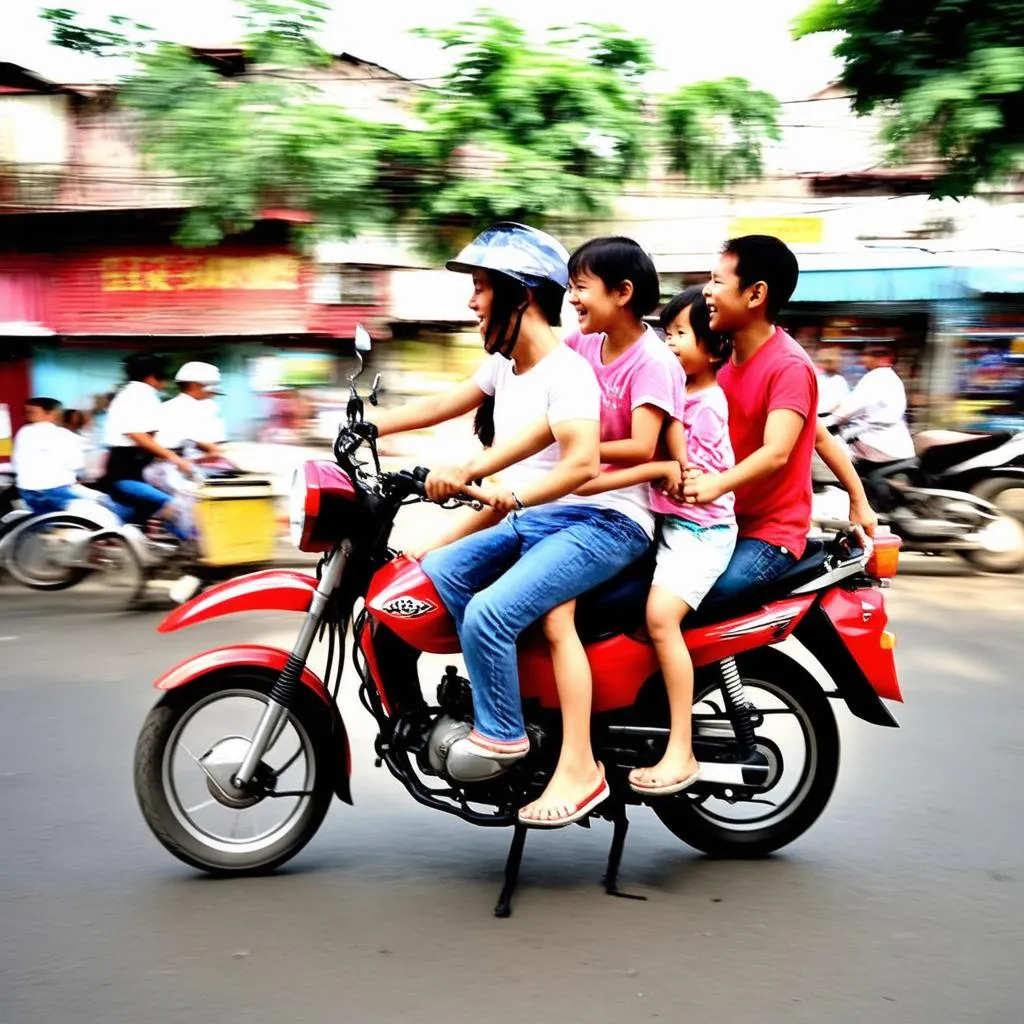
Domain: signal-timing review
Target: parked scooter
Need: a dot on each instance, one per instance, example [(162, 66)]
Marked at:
[(237, 762), (939, 501)]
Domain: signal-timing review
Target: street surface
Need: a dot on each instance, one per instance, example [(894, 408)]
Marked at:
[(904, 903)]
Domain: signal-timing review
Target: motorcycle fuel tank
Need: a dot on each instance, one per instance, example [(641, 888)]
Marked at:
[(402, 598)]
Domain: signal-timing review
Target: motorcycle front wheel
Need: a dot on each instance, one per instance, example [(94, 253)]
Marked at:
[(191, 742), (799, 737)]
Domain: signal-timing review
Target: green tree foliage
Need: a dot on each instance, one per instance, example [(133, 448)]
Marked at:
[(715, 132), (949, 71), (518, 128), (241, 144)]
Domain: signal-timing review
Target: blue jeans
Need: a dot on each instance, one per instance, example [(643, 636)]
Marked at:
[(754, 561), (145, 500), (53, 499), (497, 582)]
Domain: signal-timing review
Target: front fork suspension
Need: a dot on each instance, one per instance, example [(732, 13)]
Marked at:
[(283, 692), (737, 708)]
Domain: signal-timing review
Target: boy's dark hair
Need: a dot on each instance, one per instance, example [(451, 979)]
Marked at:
[(615, 259), (48, 405), (765, 258), (143, 365), (718, 346)]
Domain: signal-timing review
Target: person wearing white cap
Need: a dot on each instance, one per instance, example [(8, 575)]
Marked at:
[(190, 426)]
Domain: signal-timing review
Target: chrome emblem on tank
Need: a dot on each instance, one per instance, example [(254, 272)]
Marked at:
[(408, 607)]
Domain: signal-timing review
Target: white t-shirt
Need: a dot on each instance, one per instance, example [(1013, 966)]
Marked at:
[(184, 419), (879, 403), (832, 389), (46, 456), (135, 409), (561, 386)]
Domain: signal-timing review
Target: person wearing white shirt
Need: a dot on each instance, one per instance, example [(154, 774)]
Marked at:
[(877, 410), (47, 458), (832, 386), (190, 427), (132, 422)]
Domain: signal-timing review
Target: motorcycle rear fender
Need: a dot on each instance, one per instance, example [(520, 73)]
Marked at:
[(269, 590), (201, 666), (821, 635)]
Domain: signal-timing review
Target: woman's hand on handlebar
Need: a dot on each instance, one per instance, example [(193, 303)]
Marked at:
[(445, 482)]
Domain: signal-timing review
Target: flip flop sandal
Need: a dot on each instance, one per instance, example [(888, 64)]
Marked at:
[(669, 788), (575, 813)]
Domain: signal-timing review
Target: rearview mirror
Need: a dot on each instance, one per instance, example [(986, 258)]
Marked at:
[(363, 341)]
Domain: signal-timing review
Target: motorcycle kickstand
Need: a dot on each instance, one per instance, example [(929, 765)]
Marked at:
[(503, 908), (620, 826)]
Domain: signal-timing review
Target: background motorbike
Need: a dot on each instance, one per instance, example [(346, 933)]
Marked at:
[(235, 525), (237, 762), (939, 501)]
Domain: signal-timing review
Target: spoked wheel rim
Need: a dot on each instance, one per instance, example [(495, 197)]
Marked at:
[(39, 553), (786, 737), (114, 559), (227, 822)]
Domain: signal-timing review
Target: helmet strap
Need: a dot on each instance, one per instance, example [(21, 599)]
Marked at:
[(503, 337)]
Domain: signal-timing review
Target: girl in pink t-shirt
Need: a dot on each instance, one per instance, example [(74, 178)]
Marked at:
[(696, 541), (613, 285)]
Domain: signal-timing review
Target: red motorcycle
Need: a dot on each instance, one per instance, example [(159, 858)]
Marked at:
[(237, 762)]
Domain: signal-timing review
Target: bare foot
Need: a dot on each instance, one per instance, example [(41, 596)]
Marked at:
[(672, 770), (569, 790)]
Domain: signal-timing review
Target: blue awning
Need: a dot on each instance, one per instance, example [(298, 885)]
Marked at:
[(908, 284)]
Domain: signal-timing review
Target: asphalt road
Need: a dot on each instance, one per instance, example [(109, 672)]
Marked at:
[(904, 903)]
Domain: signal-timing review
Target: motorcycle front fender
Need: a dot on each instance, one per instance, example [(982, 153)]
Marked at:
[(203, 665), (285, 590)]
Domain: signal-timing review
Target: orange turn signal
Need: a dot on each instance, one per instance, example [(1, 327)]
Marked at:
[(887, 641), (885, 558)]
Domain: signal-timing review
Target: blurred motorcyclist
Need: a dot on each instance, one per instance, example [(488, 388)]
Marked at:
[(876, 411), (133, 419), (191, 428)]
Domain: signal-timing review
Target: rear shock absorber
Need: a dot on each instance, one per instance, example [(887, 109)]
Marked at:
[(736, 706)]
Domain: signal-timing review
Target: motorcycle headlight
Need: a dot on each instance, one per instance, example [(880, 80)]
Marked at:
[(320, 501)]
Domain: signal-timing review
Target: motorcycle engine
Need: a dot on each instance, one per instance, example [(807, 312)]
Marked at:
[(456, 719)]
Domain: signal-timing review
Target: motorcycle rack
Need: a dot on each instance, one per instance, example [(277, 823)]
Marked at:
[(613, 810)]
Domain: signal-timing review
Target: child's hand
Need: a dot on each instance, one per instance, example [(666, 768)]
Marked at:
[(501, 499), (701, 488), (672, 482)]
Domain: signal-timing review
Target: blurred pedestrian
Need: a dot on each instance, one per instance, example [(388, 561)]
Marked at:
[(832, 385)]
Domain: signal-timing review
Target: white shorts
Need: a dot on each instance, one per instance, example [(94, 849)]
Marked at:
[(691, 558)]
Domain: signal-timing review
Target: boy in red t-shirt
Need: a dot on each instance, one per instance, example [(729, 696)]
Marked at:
[(772, 391)]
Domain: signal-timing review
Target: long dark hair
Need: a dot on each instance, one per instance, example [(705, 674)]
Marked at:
[(508, 306)]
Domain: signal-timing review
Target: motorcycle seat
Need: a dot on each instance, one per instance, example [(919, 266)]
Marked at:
[(941, 457), (618, 606)]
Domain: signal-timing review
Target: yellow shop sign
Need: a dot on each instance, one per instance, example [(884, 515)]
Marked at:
[(793, 230)]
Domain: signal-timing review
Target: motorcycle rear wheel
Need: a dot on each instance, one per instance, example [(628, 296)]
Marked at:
[(34, 548), (178, 827), (1008, 497), (686, 816)]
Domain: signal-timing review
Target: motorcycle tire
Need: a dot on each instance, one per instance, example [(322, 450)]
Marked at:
[(151, 752), (1007, 495), (19, 566), (682, 814)]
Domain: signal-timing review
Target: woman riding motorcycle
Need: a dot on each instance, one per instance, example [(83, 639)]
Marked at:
[(499, 577)]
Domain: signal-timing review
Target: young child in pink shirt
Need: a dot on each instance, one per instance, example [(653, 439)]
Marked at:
[(613, 285), (696, 541)]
